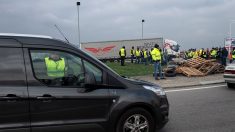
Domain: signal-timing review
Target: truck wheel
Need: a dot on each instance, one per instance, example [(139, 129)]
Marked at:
[(136, 120), (230, 85)]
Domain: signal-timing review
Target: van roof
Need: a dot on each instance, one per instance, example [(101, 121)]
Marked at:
[(29, 39), (25, 35)]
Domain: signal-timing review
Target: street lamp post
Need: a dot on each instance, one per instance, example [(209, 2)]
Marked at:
[(230, 29), (142, 28), (79, 39)]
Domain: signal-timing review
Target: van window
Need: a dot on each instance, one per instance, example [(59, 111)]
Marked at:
[(12, 67), (93, 69), (57, 68)]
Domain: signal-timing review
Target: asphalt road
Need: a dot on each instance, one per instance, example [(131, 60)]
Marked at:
[(204, 109)]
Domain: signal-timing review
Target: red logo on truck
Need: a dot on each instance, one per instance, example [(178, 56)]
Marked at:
[(100, 50)]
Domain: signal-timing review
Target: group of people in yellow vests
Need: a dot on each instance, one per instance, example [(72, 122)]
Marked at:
[(219, 54), (154, 56)]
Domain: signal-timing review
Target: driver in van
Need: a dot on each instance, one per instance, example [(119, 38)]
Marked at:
[(55, 65)]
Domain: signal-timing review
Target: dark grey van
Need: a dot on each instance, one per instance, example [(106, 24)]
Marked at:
[(47, 85)]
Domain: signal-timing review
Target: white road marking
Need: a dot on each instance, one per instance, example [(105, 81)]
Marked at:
[(190, 89)]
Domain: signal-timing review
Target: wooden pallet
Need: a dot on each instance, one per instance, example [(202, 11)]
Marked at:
[(190, 72), (211, 67), (195, 62)]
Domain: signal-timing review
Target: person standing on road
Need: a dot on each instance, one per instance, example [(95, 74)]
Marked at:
[(122, 54), (156, 57), (132, 54)]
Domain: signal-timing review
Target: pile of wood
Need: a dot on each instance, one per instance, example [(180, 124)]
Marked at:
[(200, 67)]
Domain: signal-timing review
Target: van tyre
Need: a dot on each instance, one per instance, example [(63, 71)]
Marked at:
[(230, 85), (136, 120)]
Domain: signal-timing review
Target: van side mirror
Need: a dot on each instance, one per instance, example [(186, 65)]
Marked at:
[(90, 78)]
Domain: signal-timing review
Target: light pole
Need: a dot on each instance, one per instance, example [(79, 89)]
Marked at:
[(230, 29), (79, 39), (142, 28)]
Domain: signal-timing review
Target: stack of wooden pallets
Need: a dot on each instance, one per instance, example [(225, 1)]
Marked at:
[(199, 67)]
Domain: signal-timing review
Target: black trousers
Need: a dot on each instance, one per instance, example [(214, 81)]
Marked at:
[(122, 60)]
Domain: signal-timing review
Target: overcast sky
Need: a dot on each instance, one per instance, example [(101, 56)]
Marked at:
[(192, 23)]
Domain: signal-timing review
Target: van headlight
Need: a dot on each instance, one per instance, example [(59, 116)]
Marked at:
[(157, 90)]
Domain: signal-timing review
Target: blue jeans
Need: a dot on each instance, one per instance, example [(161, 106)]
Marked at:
[(157, 68), (145, 61)]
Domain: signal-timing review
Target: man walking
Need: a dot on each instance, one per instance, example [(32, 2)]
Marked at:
[(122, 54)]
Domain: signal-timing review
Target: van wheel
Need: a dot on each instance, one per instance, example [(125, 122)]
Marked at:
[(230, 85), (136, 120)]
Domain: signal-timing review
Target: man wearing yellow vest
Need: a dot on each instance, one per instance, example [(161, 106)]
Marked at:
[(122, 54), (132, 54), (213, 53), (156, 57), (137, 54), (145, 56), (55, 66)]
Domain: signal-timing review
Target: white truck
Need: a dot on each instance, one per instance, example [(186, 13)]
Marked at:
[(109, 50)]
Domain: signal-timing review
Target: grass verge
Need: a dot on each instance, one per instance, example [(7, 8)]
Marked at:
[(131, 69)]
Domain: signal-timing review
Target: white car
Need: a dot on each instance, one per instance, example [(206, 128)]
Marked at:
[(229, 75)]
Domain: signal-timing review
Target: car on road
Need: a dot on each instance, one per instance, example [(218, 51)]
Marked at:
[(229, 75), (48, 85)]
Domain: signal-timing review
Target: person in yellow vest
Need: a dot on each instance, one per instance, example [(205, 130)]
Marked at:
[(55, 66), (192, 53), (137, 54), (233, 54), (146, 56), (204, 55), (132, 54), (196, 54), (156, 57), (122, 54), (200, 52), (213, 53)]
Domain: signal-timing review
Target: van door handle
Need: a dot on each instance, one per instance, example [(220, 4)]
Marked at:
[(45, 97), (10, 97)]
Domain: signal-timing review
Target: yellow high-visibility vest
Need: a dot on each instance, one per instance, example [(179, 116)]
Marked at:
[(137, 53), (55, 68), (156, 55), (233, 54), (122, 50), (195, 55), (145, 54), (213, 53)]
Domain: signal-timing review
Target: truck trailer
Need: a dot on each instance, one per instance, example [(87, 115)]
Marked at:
[(109, 50)]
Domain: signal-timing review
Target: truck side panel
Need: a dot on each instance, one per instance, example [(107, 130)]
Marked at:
[(110, 49)]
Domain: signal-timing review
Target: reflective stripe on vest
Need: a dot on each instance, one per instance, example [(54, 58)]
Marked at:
[(55, 68)]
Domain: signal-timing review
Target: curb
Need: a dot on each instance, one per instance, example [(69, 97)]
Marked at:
[(200, 84)]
